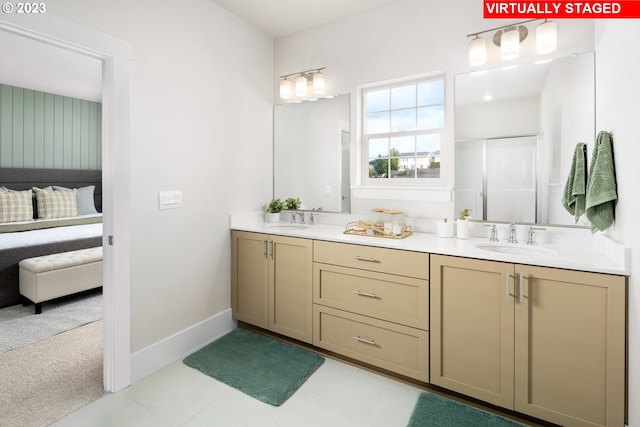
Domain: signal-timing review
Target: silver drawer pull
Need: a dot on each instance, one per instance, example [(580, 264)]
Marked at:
[(366, 341), (365, 294), (362, 258)]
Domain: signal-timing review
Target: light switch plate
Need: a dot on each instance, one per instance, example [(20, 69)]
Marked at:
[(169, 199)]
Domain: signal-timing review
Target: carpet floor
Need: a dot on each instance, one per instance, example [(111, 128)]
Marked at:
[(51, 378), (261, 367), (19, 325), (432, 410)]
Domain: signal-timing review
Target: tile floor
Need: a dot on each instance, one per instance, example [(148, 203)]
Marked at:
[(337, 394)]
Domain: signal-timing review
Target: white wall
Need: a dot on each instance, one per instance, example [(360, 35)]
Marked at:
[(201, 97), (617, 94)]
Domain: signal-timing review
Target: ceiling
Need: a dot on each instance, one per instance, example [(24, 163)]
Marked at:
[(279, 18)]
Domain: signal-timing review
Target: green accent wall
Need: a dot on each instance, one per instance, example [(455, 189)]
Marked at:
[(43, 130)]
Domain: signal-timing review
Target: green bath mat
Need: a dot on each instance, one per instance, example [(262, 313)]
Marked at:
[(261, 367), (432, 410)]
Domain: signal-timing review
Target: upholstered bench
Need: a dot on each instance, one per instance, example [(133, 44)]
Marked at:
[(53, 276)]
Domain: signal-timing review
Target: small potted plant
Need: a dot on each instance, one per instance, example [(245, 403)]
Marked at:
[(292, 204), (273, 210)]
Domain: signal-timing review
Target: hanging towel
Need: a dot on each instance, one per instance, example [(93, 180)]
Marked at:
[(601, 186), (575, 190)]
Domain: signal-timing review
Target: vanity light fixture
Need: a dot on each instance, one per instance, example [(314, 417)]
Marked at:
[(546, 37), (509, 37), (312, 77), (477, 51), (285, 89)]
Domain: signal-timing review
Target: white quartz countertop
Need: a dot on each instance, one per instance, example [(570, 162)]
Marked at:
[(571, 257)]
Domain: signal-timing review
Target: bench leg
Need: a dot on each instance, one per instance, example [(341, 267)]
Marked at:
[(38, 307)]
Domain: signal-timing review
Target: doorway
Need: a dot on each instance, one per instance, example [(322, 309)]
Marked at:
[(114, 56)]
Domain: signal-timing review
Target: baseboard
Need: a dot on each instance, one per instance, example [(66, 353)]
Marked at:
[(176, 347)]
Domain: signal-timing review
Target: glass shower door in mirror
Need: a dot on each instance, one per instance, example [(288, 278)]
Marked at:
[(511, 179), (496, 178)]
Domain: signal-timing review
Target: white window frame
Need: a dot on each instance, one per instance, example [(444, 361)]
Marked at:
[(401, 185)]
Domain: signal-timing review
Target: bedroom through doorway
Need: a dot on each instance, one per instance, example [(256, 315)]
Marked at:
[(112, 57)]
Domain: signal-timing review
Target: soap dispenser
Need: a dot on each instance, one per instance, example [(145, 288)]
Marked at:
[(463, 225)]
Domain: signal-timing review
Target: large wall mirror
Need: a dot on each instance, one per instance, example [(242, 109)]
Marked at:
[(311, 153), (516, 130)]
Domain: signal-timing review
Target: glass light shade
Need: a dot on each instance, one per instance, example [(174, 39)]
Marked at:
[(477, 51), (301, 86), (318, 83), (546, 37), (510, 44), (285, 89)]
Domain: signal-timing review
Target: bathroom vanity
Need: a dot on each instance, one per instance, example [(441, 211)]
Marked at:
[(538, 331)]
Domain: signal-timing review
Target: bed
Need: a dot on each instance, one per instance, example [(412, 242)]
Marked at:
[(26, 239)]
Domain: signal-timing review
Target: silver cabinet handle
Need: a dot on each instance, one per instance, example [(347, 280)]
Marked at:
[(264, 248), (521, 286), (365, 294), (366, 341), (362, 258), (271, 248), (506, 288)]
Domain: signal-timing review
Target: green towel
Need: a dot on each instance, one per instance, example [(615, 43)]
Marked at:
[(601, 186), (574, 196)]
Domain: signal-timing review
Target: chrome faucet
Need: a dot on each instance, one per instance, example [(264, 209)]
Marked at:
[(301, 216), (532, 235), (312, 220), (513, 238), (293, 217), (494, 233)]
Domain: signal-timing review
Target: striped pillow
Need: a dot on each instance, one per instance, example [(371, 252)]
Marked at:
[(16, 206), (56, 204)]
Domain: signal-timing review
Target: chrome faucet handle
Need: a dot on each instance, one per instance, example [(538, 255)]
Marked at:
[(312, 220), (513, 236), (293, 217), (532, 235), (301, 216), (494, 233)]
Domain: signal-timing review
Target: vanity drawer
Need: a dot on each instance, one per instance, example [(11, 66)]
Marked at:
[(398, 299), (383, 344), (383, 260)]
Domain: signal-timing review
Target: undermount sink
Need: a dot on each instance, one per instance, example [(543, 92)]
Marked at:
[(288, 226), (515, 249)]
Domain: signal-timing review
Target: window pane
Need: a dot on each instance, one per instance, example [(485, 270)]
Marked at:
[(403, 120), (428, 144), (378, 123), (377, 100), (431, 93), (431, 117), (378, 147), (406, 168), (405, 145), (379, 168), (403, 97)]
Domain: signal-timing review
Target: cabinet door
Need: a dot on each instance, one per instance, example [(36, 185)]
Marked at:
[(570, 346), (471, 331), (250, 278), (290, 287)]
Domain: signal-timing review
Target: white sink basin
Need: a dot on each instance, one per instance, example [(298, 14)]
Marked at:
[(288, 226), (516, 249)]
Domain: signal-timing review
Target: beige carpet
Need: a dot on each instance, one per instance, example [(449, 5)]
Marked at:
[(44, 381)]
